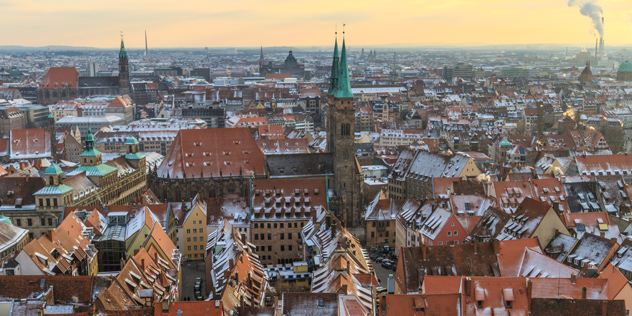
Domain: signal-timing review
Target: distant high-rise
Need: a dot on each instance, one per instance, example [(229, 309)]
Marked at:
[(146, 48)]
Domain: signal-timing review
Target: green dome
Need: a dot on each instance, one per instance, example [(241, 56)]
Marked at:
[(53, 169), (5, 220), (505, 142), (625, 67), (131, 141)]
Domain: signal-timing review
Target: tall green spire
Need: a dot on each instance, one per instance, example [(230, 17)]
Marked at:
[(333, 79), (122, 52), (343, 89)]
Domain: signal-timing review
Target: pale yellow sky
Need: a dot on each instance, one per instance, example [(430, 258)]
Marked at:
[(212, 23)]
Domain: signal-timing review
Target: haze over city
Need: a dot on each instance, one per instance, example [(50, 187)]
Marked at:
[(251, 23)]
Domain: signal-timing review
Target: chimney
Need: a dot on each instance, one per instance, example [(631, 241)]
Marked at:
[(529, 294), (21, 165), (556, 207), (496, 245), (468, 287), (573, 278), (165, 306), (49, 234), (383, 303), (583, 292), (423, 252)]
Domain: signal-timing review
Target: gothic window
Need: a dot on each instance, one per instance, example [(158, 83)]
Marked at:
[(345, 129)]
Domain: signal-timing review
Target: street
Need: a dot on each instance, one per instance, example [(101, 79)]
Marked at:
[(382, 273), (190, 271)]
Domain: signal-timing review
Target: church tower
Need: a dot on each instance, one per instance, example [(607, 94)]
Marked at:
[(261, 63), (124, 87), (340, 128)]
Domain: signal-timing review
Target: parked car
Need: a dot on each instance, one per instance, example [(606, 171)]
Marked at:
[(387, 265), (380, 290), (374, 255), (379, 259)]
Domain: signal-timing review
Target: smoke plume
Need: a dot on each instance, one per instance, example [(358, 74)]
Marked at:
[(591, 9)]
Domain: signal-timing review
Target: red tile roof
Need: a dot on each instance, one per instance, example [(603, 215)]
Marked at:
[(57, 77), (209, 152), (190, 308)]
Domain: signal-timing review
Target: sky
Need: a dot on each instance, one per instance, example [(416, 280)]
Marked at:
[(252, 23)]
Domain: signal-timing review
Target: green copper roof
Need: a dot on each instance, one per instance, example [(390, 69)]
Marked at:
[(5, 220), (625, 67), (333, 79), (343, 90), (122, 52), (90, 136), (131, 141), (90, 153), (53, 169), (134, 156), (96, 171), (50, 115), (54, 190), (505, 142)]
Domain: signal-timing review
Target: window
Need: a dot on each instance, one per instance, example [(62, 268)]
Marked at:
[(29, 222), (372, 234), (195, 247), (441, 243), (256, 225), (269, 236), (269, 248), (275, 225), (479, 304), (282, 248), (449, 233), (43, 220), (50, 222), (269, 226), (188, 238), (194, 238), (386, 235), (296, 225), (281, 225), (289, 247), (256, 237), (263, 236), (282, 236), (373, 224), (189, 248), (19, 222), (188, 231), (193, 222), (508, 304), (456, 232), (289, 235)]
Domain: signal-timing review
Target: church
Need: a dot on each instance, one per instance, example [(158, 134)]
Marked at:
[(223, 162), (64, 83), (289, 66)]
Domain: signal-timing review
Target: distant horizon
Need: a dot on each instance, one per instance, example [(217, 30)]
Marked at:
[(330, 47), (292, 23)]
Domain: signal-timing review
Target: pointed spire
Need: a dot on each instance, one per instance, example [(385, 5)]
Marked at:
[(122, 52), (333, 79), (343, 88)]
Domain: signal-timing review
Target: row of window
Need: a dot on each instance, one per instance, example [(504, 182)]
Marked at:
[(195, 230), (263, 248), (281, 236), (29, 222), (281, 225), (195, 247)]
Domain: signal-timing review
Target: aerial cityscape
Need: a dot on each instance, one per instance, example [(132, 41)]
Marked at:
[(274, 159)]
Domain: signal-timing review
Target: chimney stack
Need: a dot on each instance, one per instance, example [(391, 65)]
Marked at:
[(529, 294), (468, 287)]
